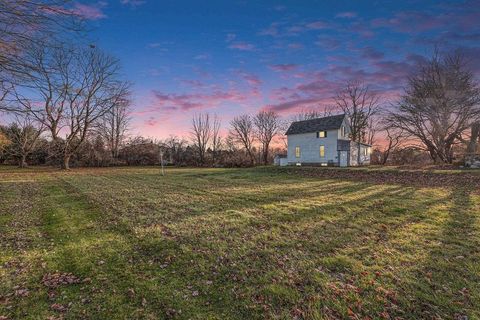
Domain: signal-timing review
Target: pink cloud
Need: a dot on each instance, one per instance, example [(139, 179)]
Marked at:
[(319, 88), (414, 21), (317, 25), (283, 67), (252, 79), (283, 29), (328, 43), (151, 122), (347, 14), (89, 12), (187, 102), (372, 53), (194, 83), (295, 105), (272, 30), (295, 46)]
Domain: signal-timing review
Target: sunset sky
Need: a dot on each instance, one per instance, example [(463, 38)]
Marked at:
[(234, 57)]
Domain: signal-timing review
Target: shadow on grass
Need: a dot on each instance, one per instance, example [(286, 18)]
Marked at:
[(448, 281)]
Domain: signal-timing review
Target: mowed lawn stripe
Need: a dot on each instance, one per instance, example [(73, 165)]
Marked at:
[(246, 243)]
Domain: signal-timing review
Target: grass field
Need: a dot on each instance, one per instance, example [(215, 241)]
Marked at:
[(264, 243)]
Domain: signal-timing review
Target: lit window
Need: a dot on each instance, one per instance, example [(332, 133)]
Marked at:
[(322, 151), (297, 152), (322, 134)]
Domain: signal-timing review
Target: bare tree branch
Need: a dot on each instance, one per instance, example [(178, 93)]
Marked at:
[(216, 138), (201, 134), (359, 104), (29, 23), (242, 132), (114, 124), (441, 102), (267, 125), (23, 135)]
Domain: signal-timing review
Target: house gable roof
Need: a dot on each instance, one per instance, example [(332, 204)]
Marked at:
[(317, 124)]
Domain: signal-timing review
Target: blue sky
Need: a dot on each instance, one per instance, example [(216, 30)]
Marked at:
[(233, 57)]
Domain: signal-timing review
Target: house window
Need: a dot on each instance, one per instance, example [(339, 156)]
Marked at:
[(343, 131), (322, 151), (297, 152), (321, 134)]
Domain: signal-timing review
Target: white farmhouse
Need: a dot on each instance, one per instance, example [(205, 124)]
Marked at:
[(325, 141)]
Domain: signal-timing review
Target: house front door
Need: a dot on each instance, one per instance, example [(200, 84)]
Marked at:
[(343, 158)]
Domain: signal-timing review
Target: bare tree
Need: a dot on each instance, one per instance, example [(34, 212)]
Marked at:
[(242, 132), (201, 134), (267, 125), (216, 138), (175, 147), (440, 104), (359, 104), (312, 113), (394, 139), (69, 90), (23, 136), (372, 129), (114, 124), (4, 142), (28, 23)]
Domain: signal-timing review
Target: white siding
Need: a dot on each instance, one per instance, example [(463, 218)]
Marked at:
[(357, 159), (347, 130), (310, 147)]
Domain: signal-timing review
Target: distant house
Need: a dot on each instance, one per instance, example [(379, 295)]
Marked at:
[(325, 141)]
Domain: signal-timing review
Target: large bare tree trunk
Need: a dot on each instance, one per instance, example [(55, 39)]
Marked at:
[(66, 162), (216, 139), (23, 161), (474, 137)]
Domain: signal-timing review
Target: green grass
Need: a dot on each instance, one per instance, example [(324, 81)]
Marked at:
[(234, 244)]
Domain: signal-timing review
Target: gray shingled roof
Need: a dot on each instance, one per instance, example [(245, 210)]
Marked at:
[(314, 125)]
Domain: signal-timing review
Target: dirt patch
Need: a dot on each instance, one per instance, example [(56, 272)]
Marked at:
[(54, 280)]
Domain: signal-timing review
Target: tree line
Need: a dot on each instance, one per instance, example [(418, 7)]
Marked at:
[(54, 82), (69, 103)]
